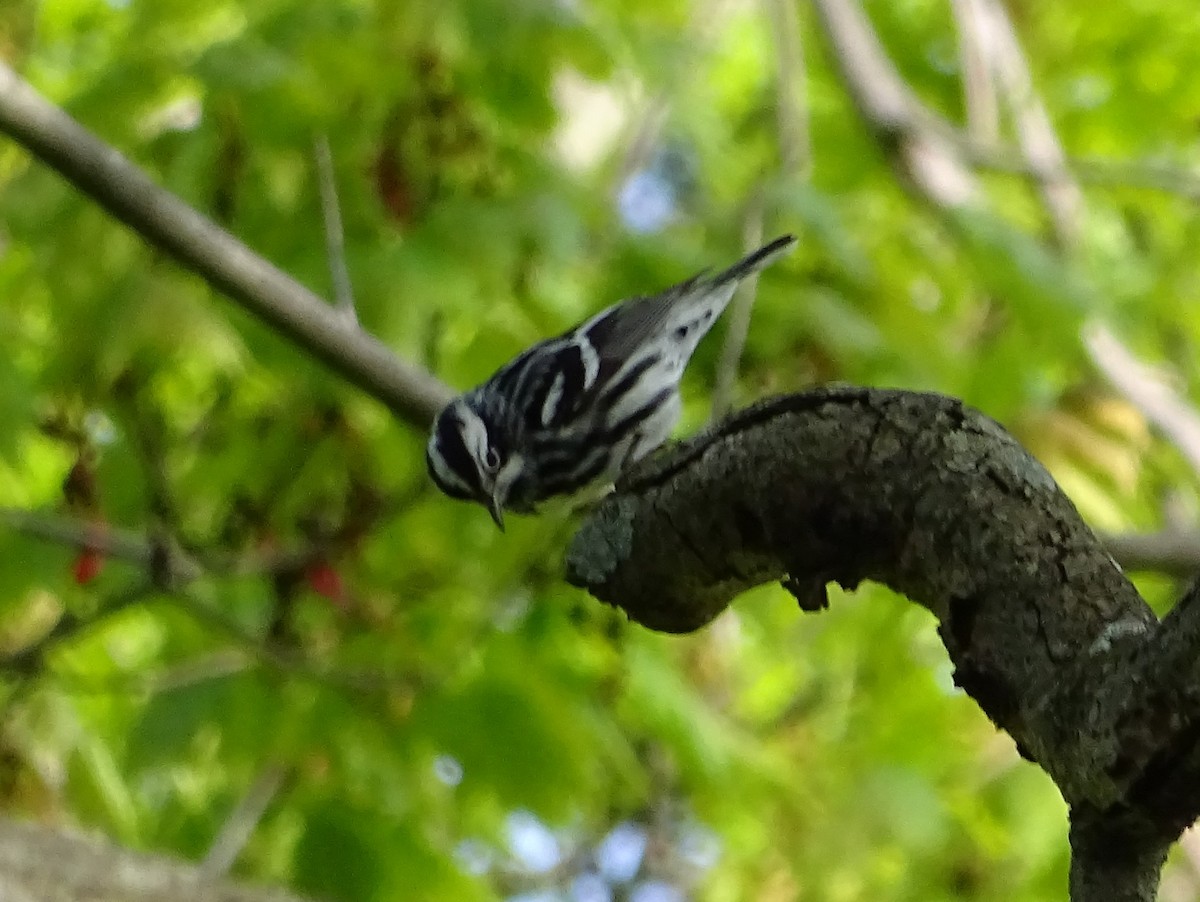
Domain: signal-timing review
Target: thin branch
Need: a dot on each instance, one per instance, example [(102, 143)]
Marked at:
[(130, 547), (1175, 552), (739, 313), (288, 661), (110, 542), (1138, 174), (242, 821), (643, 135), (133, 548), (169, 572), (335, 236), (890, 110), (1147, 390), (918, 142), (795, 148), (160, 217), (979, 92), (1036, 134), (214, 665)]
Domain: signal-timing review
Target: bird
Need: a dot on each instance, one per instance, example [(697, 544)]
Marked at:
[(575, 410)]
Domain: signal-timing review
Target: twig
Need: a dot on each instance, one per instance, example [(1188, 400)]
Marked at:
[(739, 313), (240, 825), (642, 137), (108, 541), (125, 545), (1036, 134), (1105, 173), (147, 431), (160, 217), (919, 143), (286, 660), (215, 665), (335, 236), (795, 150), (889, 108), (979, 92), (1147, 390), (1175, 552)]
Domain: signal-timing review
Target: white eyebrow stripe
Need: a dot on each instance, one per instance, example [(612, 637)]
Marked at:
[(475, 436)]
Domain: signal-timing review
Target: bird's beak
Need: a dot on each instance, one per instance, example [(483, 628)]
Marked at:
[(496, 509)]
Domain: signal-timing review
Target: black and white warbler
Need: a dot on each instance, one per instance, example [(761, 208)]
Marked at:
[(575, 410)]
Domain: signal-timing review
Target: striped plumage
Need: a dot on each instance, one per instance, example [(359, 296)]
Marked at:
[(575, 410)]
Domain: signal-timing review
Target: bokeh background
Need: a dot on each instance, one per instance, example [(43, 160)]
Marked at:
[(386, 696)]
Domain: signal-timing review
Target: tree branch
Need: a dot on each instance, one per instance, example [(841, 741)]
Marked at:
[(335, 236), (938, 502), (1147, 390), (791, 114), (109, 541), (1111, 866), (979, 93), (739, 315), (1170, 551), (1035, 133), (38, 863), (921, 149), (164, 220), (242, 821)]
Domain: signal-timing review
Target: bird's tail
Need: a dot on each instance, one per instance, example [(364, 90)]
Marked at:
[(752, 262)]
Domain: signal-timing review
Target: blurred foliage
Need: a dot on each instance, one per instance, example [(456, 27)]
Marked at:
[(454, 722)]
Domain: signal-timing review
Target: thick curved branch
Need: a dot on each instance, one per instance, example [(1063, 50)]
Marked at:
[(208, 250), (934, 499)]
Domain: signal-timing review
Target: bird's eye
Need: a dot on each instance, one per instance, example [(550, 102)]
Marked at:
[(491, 460)]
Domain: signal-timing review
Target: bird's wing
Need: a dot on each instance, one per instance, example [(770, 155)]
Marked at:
[(617, 332)]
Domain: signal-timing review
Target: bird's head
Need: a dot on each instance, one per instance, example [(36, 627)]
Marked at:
[(470, 455)]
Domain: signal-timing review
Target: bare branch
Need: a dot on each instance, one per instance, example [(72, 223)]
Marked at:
[(335, 237), (1175, 552), (918, 145), (795, 150), (979, 92), (1093, 171), (242, 821), (739, 314), (40, 863), (287, 660), (196, 242), (110, 542), (1036, 134), (1147, 390)]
